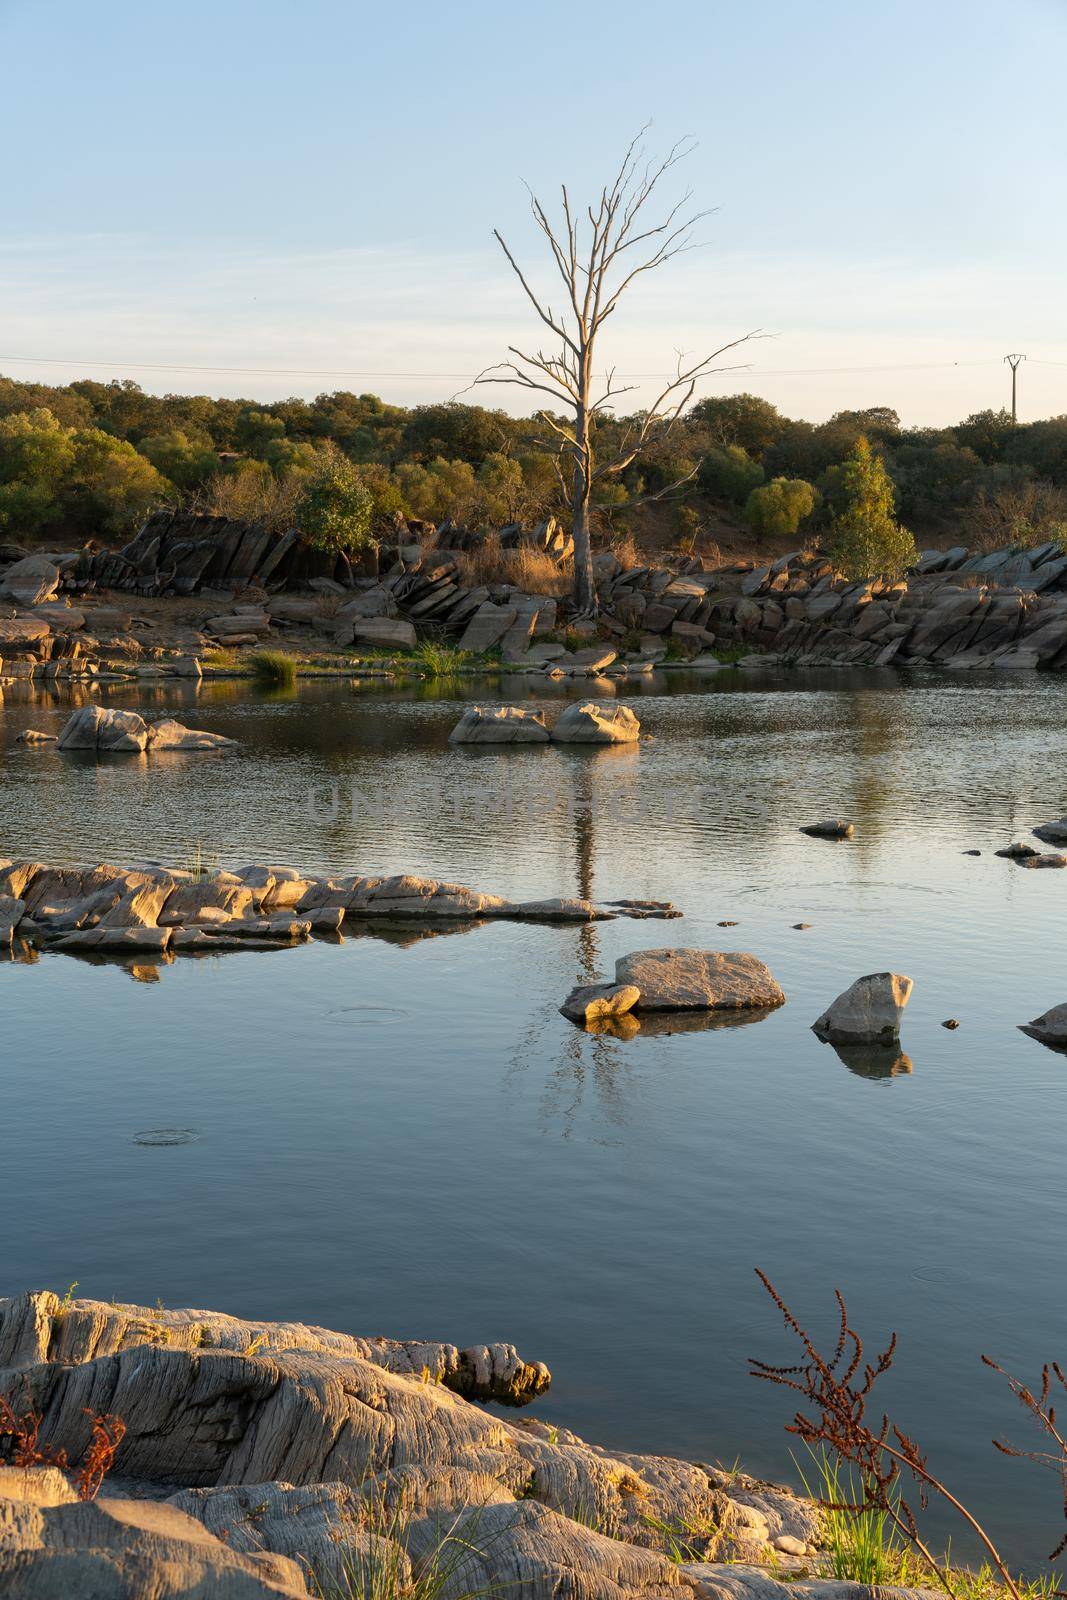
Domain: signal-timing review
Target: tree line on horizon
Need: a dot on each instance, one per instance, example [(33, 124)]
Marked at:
[(90, 460)]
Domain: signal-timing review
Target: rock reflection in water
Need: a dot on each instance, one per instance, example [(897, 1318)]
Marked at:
[(873, 1060)]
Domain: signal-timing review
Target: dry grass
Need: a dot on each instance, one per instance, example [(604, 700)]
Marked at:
[(534, 571), (625, 550), (253, 496)]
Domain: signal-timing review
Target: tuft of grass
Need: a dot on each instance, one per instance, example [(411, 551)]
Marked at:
[(200, 866), (861, 1545), (65, 1303), (222, 660), (684, 1539), (273, 668), (439, 660), (385, 1571)]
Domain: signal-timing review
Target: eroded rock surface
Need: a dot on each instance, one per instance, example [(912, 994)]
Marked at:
[(101, 728), (277, 1442), (593, 724), (500, 725)]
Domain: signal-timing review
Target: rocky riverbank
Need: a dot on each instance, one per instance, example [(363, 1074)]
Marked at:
[(276, 1459), (140, 613)]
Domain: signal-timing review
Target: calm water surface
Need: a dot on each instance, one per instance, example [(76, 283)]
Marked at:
[(400, 1134)]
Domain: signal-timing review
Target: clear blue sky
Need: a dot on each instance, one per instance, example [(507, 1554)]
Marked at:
[(314, 186)]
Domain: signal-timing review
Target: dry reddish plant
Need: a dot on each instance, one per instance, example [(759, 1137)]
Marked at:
[(837, 1390), (23, 1429), (108, 1433), (1044, 1414)]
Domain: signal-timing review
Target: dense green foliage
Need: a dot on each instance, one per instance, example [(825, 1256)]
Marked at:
[(865, 537), (334, 508), (88, 459), (779, 507)]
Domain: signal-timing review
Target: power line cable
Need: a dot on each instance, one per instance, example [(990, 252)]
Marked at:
[(338, 372)]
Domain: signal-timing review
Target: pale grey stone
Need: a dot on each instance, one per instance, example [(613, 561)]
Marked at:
[(868, 1012)]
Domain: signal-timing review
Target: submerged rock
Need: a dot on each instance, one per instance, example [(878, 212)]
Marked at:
[(593, 724), (1036, 860), (832, 829), (868, 1012), (593, 1002), (697, 980), (1050, 1028), (504, 725), (1017, 852)]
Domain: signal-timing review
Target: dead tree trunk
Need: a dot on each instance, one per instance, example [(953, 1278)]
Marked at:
[(596, 267)]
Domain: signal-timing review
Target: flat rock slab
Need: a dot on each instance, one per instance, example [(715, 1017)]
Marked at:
[(698, 980), (502, 725), (391, 633), (594, 724), (31, 581), (868, 1012)]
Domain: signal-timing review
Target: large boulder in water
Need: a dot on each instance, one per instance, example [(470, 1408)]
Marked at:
[(868, 1012), (95, 727), (504, 725), (1050, 1028), (593, 724), (698, 980)]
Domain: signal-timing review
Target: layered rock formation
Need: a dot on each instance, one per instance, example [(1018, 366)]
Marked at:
[(114, 910), (289, 1455)]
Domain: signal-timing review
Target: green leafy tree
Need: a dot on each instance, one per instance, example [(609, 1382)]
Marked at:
[(254, 430), (746, 420), (865, 538), (187, 462), (334, 510), (779, 507), (34, 449), (111, 488), (730, 473)]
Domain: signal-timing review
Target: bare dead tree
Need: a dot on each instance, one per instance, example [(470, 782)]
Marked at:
[(598, 256)]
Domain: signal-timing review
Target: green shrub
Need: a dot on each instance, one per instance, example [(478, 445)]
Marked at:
[(335, 507), (730, 472), (779, 507), (865, 538)]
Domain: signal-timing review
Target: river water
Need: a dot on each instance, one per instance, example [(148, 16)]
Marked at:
[(399, 1134)]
